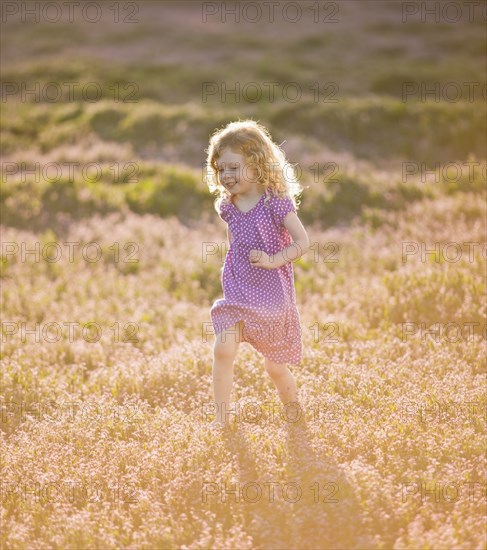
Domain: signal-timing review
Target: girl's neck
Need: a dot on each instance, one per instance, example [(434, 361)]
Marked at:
[(248, 199)]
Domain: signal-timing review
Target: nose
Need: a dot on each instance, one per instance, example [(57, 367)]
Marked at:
[(228, 176)]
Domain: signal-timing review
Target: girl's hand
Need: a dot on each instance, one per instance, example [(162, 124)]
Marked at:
[(259, 258)]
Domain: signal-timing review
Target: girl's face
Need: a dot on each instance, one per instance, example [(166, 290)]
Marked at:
[(236, 175)]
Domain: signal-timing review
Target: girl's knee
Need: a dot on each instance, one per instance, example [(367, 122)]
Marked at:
[(225, 351)]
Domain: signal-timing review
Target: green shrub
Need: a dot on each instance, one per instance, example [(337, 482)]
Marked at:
[(105, 122), (341, 201)]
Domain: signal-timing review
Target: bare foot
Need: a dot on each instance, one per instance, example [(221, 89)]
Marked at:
[(300, 423)]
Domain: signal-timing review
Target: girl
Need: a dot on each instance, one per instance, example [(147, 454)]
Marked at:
[(256, 190)]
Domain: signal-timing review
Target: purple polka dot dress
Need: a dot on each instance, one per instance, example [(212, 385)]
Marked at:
[(264, 299)]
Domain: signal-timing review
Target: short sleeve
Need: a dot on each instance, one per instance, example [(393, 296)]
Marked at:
[(282, 207), (225, 212)]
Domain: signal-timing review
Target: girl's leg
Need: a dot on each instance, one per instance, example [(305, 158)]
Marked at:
[(225, 350), (286, 385), (283, 380)]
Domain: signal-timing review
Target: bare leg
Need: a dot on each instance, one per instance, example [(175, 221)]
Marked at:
[(225, 350), (283, 380), (286, 386)]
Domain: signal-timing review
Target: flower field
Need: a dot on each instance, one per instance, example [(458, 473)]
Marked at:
[(107, 284)]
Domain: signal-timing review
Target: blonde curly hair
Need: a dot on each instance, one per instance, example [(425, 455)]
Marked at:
[(253, 141)]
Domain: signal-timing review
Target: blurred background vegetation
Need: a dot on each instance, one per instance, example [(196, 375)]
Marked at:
[(158, 129)]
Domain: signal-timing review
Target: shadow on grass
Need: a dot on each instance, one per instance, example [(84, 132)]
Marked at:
[(314, 506)]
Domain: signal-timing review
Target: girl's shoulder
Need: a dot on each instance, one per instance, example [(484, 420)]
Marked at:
[(224, 210), (279, 207)]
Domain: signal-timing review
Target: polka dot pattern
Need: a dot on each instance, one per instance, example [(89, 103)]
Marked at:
[(264, 299)]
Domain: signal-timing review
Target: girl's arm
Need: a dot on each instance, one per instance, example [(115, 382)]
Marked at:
[(298, 247), (295, 250)]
